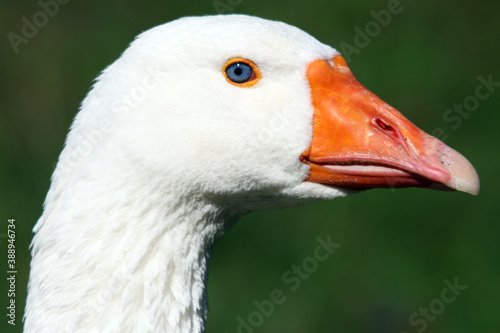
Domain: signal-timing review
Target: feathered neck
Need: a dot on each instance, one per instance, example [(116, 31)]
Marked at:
[(113, 252)]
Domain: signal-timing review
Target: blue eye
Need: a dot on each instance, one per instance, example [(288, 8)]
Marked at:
[(240, 72)]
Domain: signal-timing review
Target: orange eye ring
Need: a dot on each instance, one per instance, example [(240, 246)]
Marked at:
[(253, 78)]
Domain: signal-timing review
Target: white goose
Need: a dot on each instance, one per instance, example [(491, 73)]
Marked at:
[(200, 121)]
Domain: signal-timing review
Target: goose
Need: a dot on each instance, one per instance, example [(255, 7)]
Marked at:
[(200, 121)]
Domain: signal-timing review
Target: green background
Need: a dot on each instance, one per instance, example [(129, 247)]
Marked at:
[(397, 246)]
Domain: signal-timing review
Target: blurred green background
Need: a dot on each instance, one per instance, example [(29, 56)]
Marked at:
[(397, 247)]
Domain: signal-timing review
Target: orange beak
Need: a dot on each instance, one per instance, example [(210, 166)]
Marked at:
[(360, 142)]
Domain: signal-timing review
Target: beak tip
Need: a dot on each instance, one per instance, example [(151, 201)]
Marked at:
[(464, 177), (470, 185)]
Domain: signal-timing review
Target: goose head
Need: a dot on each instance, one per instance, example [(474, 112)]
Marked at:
[(200, 121), (298, 126)]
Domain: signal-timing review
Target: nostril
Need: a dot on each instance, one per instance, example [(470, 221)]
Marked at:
[(383, 125), (392, 132)]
